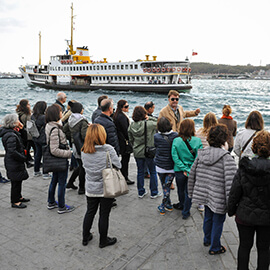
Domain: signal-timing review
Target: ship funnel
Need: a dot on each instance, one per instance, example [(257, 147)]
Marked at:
[(105, 60), (154, 58), (147, 57)]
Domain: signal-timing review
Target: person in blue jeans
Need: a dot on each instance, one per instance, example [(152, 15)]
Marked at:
[(56, 138), (184, 152), (163, 159), (136, 132), (209, 184)]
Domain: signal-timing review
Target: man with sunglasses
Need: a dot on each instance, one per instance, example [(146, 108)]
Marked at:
[(174, 112)]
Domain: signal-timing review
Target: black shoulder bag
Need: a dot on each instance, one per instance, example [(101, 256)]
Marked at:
[(52, 163), (149, 151), (190, 149)]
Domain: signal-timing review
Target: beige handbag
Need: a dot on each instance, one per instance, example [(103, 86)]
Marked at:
[(114, 183)]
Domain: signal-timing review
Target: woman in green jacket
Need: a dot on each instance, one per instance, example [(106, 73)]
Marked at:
[(136, 134), (184, 152)]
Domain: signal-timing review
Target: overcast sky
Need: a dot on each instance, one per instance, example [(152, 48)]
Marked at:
[(234, 32)]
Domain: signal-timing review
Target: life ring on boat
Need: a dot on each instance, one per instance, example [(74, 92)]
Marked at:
[(168, 69), (174, 69), (149, 69), (184, 69), (62, 61), (163, 69), (179, 69), (158, 69), (189, 69), (145, 70), (154, 69)]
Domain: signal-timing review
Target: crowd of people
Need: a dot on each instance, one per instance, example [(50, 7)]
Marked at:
[(165, 146)]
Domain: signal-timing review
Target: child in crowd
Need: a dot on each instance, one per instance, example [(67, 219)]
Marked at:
[(163, 159)]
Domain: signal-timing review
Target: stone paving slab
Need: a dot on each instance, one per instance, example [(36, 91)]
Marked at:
[(36, 238)]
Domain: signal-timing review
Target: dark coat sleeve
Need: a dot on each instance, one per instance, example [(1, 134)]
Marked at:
[(235, 195), (12, 149)]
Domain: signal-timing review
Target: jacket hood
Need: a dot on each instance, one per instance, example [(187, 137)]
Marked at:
[(259, 168), (137, 128), (210, 155), (74, 119), (4, 131)]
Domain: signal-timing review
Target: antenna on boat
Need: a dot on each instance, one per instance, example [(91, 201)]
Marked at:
[(71, 39), (39, 61)]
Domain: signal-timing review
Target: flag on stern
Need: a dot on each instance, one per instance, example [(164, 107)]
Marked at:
[(194, 53)]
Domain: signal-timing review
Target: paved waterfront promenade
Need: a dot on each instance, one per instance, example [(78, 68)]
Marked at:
[(36, 238)]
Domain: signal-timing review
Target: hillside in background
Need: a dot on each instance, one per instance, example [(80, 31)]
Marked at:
[(207, 68)]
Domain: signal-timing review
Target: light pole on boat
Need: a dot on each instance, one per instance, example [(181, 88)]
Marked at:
[(39, 61)]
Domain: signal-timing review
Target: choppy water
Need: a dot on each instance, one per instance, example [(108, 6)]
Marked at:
[(208, 95)]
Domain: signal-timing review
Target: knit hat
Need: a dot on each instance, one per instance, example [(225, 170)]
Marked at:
[(75, 107)]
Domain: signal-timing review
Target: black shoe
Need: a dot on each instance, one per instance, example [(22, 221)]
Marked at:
[(114, 204), (85, 242), (29, 164), (71, 186), (81, 191), (21, 205), (24, 200), (129, 182), (110, 242), (177, 206)]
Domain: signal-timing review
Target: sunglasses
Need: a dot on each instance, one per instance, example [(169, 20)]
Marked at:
[(174, 99), (126, 106)]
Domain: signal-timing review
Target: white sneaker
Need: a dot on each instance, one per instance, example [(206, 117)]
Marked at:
[(157, 195), (141, 196), (36, 174), (46, 176), (201, 207)]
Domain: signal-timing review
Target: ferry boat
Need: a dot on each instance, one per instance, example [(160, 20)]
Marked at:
[(76, 71)]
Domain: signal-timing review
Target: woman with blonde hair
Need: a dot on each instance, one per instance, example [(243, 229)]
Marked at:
[(231, 124), (94, 159), (249, 201)]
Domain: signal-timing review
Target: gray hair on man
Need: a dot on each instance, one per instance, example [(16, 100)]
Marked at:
[(9, 121), (61, 96), (106, 104)]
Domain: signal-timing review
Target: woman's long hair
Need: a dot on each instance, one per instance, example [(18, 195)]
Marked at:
[(22, 107), (39, 108), (120, 105), (187, 129), (95, 135), (209, 120)]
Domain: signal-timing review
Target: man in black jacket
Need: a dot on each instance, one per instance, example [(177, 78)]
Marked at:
[(97, 112), (61, 98), (107, 122)]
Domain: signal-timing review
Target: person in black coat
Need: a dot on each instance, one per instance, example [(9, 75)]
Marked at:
[(97, 111), (164, 162), (39, 117), (15, 158), (249, 200), (107, 122), (121, 121)]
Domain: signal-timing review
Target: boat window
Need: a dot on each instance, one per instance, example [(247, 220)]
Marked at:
[(87, 68), (122, 66), (90, 67), (136, 66), (108, 78), (105, 67), (101, 67), (104, 78), (138, 78), (126, 67), (94, 67), (83, 68), (97, 78), (113, 67), (131, 66), (117, 66), (58, 68), (97, 67), (124, 78), (109, 67), (128, 78), (80, 68)]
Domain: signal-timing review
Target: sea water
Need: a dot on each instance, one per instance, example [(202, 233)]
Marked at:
[(243, 96)]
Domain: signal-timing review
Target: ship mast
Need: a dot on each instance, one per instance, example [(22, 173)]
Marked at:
[(39, 61), (71, 39)]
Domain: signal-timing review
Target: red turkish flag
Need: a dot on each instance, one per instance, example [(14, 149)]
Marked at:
[(194, 53)]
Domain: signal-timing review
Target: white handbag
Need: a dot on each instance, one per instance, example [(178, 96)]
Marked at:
[(114, 183)]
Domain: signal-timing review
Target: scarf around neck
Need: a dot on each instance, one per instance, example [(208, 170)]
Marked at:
[(226, 117)]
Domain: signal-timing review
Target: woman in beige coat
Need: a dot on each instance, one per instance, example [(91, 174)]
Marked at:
[(56, 137)]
